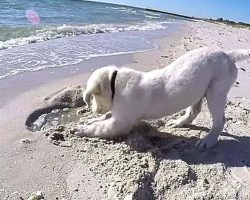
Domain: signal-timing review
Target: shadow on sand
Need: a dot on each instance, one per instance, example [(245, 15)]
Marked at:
[(231, 150)]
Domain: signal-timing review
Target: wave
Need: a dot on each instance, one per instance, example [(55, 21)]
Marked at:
[(151, 17), (40, 67), (123, 9), (151, 13), (50, 32), (35, 69)]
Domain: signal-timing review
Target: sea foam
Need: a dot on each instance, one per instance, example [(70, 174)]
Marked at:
[(50, 32)]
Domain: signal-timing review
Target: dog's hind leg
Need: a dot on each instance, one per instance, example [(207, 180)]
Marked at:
[(190, 114), (216, 100)]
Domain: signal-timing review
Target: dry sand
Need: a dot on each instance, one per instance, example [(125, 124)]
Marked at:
[(154, 161)]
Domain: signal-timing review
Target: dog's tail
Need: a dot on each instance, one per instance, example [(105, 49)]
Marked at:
[(239, 55)]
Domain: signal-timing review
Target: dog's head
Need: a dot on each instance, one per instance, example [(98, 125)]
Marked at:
[(98, 93)]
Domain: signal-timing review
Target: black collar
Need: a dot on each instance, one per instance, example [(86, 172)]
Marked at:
[(112, 84)]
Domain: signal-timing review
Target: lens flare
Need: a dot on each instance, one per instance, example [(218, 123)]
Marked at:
[(33, 17)]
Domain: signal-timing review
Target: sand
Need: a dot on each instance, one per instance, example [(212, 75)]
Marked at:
[(154, 161)]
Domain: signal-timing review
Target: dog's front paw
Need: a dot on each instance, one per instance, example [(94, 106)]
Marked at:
[(175, 124), (208, 142), (90, 121), (78, 131), (87, 121), (83, 120)]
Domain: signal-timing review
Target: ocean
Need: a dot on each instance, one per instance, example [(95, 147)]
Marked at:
[(37, 35)]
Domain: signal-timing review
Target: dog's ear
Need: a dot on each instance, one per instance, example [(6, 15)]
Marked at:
[(92, 89)]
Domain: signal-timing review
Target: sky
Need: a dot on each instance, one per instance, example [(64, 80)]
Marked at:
[(237, 10)]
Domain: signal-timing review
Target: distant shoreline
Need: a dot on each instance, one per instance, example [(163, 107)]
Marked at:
[(220, 19), (169, 13), (147, 9)]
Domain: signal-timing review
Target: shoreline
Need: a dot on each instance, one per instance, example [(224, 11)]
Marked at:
[(30, 80), (96, 169)]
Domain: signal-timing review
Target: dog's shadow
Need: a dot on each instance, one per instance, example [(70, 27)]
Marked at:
[(232, 150)]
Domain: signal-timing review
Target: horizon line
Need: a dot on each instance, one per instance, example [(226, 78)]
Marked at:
[(170, 13)]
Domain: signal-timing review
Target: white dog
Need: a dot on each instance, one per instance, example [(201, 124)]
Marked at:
[(133, 95)]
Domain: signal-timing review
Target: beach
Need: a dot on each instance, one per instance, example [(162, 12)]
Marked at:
[(154, 161)]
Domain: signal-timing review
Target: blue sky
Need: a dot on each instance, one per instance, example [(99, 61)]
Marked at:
[(238, 10)]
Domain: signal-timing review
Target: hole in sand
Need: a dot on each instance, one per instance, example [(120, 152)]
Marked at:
[(56, 118), (64, 107)]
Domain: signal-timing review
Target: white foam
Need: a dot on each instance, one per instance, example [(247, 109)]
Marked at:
[(151, 17), (152, 13), (124, 9), (41, 66), (49, 33), (33, 59), (38, 68)]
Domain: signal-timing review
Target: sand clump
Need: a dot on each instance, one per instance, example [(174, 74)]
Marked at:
[(36, 196), (159, 162)]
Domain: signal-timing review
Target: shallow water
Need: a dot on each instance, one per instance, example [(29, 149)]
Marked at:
[(57, 117), (24, 22), (71, 51), (71, 37), (66, 32)]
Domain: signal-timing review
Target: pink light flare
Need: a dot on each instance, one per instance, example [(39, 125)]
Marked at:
[(33, 17)]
